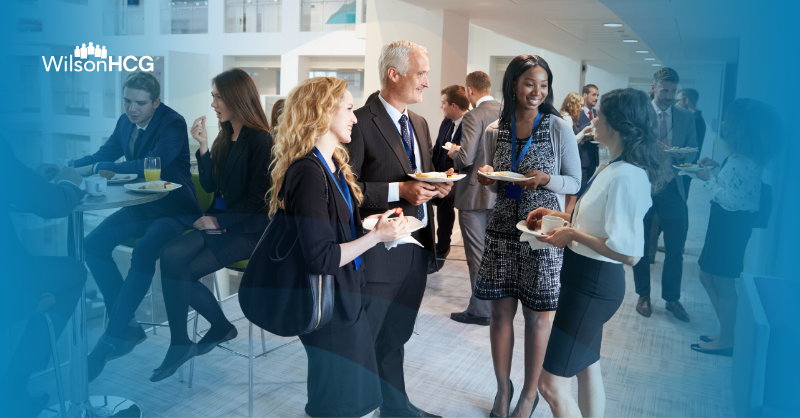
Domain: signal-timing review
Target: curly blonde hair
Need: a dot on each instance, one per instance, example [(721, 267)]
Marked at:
[(572, 105), (306, 117)]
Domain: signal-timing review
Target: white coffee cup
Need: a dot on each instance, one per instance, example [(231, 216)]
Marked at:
[(550, 223), (96, 186)]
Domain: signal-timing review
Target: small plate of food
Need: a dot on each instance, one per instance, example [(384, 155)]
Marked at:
[(434, 177), (522, 226), (157, 186), (414, 224), (689, 168), (447, 146), (679, 150), (508, 176)]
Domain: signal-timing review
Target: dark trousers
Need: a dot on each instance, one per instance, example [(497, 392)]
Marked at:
[(122, 297), (61, 277), (445, 218), (674, 220), (396, 281)]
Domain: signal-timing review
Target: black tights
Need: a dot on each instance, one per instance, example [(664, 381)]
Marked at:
[(184, 261)]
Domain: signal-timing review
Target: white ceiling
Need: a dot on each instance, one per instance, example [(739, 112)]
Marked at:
[(574, 28)]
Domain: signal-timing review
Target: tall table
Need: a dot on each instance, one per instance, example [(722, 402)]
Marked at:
[(81, 404)]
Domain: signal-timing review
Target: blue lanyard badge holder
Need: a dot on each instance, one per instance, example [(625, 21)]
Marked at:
[(514, 191), (344, 190)]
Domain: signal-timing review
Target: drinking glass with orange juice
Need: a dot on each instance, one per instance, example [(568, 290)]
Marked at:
[(152, 168)]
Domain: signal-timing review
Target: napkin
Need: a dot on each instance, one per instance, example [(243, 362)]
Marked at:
[(534, 243), (407, 240)]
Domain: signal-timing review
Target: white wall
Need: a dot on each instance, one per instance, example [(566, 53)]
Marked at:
[(485, 44), (604, 80)]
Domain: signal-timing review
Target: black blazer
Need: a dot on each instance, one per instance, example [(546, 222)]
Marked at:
[(245, 182), (321, 227), (378, 158), (166, 137), (441, 162), (590, 153)]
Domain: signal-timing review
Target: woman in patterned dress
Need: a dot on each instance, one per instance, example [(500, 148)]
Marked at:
[(529, 138)]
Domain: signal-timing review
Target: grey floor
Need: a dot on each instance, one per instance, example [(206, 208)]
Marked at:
[(648, 368)]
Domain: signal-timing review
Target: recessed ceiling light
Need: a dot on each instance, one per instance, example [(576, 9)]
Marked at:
[(642, 52), (656, 65), (629, 40), (649, 59), (612, 25)]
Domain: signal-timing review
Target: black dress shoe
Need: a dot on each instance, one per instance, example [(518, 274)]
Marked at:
[(728, 352), (166, 370), (468, 318), (510, 396), (432, 266), (211, 341), (706, 339), (97, 358), (131, 337)]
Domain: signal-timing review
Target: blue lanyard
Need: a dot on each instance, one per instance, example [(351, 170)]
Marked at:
[(409, 151), (586, 187), (344, 190), (515, 161)]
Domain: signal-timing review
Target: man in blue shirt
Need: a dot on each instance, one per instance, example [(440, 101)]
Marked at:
[(147, 129)]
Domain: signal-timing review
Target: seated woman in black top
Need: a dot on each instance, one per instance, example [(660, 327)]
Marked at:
[(237, 171), (315, 187)]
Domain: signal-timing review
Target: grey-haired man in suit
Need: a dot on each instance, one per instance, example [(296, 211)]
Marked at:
[(474, 202), (676, 129)]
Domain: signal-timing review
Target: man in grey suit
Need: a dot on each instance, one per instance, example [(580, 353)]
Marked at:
[(676, 129), (473, 201)]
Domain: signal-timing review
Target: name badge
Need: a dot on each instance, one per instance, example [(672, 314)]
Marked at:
[(513, 192), (219, 204)]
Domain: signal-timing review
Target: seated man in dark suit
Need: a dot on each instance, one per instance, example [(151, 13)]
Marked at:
[(34, 283), (148, 129), (454, 106)]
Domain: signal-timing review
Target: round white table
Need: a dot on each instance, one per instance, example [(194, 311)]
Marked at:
[(80, 403)]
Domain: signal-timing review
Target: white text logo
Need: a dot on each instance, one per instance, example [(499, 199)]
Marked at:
[(96, 58)]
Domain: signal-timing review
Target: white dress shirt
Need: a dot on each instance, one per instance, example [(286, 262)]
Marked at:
[(737, 186), (483, 99), (587, 112), (668, 112), (131, 143), (394, 188), (614, 208), (455, 128)]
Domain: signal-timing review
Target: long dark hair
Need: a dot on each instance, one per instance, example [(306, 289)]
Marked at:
[(753, 129), (629, 112), (240, 95), (515, 69)]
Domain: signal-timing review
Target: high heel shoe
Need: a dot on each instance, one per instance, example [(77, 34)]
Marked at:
[(510, 395)]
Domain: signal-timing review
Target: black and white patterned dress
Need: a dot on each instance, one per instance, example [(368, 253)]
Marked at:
[(510, 268)]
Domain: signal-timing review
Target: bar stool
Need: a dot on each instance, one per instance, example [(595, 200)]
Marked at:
[(240, 267), (45, 303)]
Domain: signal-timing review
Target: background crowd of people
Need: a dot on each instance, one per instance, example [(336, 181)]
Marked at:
[(327, 167)]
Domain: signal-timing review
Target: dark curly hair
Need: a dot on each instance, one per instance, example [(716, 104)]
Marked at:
[(753, 129), (629, 112), (515, 69)]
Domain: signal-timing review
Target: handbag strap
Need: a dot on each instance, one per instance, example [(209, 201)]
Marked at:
[(279, 216)]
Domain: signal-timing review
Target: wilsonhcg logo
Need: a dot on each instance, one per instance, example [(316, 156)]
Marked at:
[(93, 58)]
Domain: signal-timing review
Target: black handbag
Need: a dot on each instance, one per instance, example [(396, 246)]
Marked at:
[(277, 293)]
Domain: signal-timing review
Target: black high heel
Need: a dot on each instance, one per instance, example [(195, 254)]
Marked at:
[(510, 396)]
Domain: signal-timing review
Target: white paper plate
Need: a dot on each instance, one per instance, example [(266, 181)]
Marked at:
[(118, 178), (523, 226), (689, 169), (135, 188), (681, 151), (447, 145), (438, 179), (414, 224), (511, 177)]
